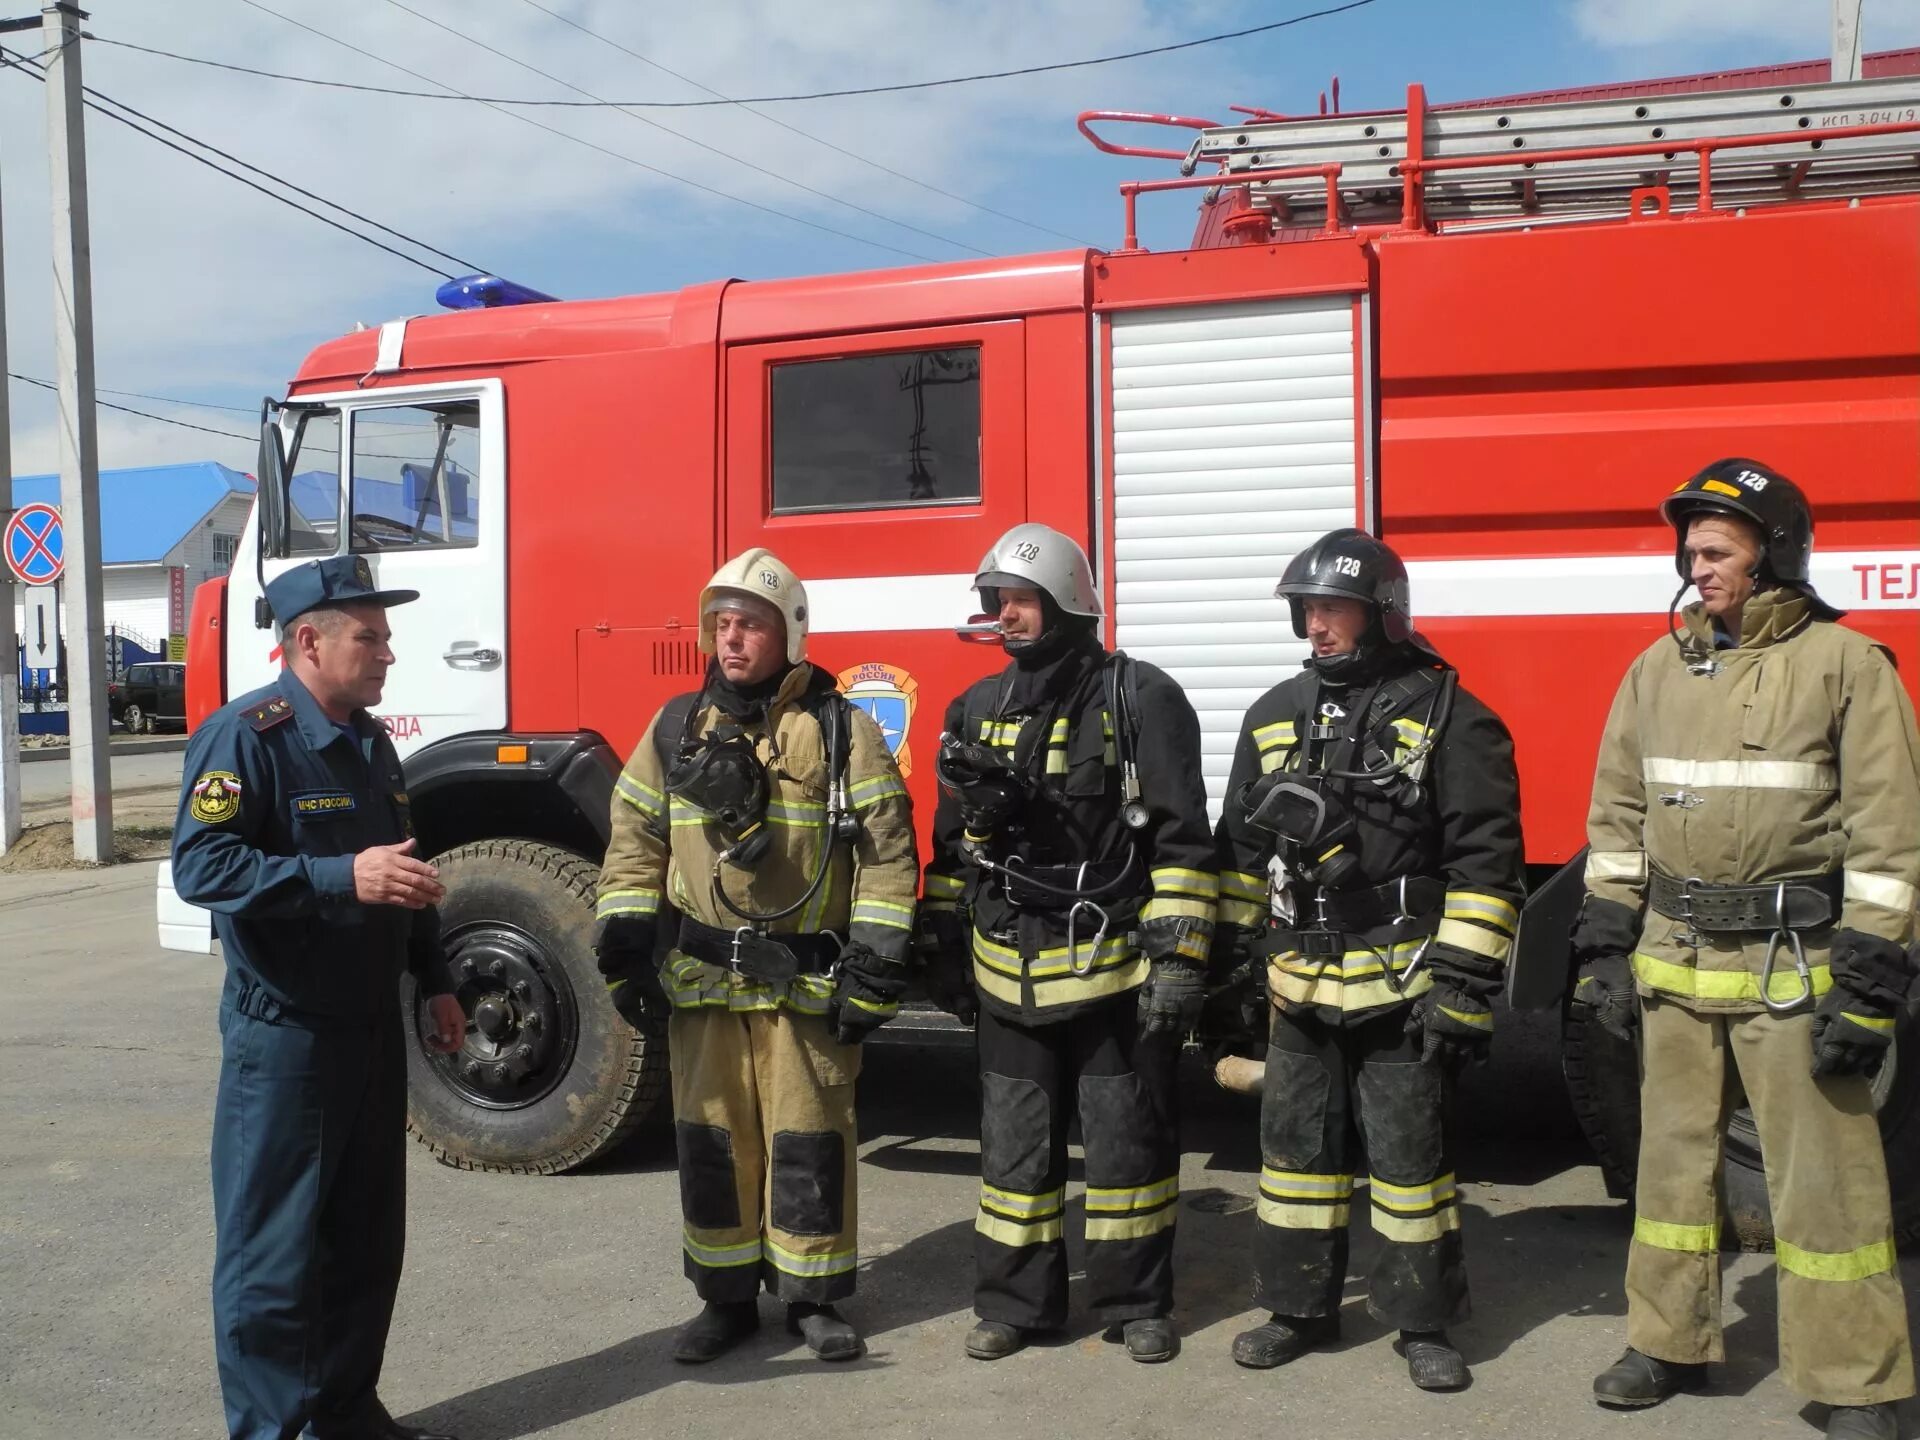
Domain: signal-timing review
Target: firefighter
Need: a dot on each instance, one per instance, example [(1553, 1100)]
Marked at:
[(1755, 848), (1370, 855), (1073, 867), (768, 812)]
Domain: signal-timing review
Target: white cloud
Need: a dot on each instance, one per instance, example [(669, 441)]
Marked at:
[(1802, 25)]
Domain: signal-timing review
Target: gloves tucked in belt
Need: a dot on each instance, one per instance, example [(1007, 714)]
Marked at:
[(1602, 940), (1854, 1022), (1240, 1000), (624, 952), (946, 968), (866, 995), (1176, 985)]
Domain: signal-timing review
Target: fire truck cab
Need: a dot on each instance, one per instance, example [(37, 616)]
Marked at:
[(1495, 334)]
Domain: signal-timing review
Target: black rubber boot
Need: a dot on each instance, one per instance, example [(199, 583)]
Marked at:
[(715, 1330), (1635, 1380), (1862, 1422), (995, 1340), (827, 1335), (1283, 1338), (1432, 1362), (1150, 1340)]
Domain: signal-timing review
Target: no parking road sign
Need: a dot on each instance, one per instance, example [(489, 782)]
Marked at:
[(35, 545)]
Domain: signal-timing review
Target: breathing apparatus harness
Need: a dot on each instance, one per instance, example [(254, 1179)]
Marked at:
[(721, 773), (1308, 809), (993, 791)]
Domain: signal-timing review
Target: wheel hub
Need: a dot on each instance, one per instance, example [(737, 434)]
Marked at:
[(522, 1013)]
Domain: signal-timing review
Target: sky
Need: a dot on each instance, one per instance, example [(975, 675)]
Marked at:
[(206, 291)]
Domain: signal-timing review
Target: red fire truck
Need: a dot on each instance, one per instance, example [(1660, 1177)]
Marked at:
[(1496, 333)]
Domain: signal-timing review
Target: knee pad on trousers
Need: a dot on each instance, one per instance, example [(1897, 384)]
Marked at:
[(1293, 1109), (1121, 1128), (1400, 1113), (1016, 1129), (809, 1182), (709, 1198)]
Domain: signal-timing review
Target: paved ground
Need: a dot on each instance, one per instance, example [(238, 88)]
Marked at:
[(144, 780), (542, 1307)]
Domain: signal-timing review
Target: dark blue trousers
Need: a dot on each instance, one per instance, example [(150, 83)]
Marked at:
[(309, 1208)]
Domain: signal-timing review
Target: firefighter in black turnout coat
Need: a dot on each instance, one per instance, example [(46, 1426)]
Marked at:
[(1371, 875), (1071, 898)]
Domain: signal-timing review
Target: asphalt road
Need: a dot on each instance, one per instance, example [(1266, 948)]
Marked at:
[(543, 1307), (142, 779)]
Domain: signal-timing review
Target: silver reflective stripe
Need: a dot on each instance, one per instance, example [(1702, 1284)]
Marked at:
[(1883, 890), (1740, 774), (1616, 865)]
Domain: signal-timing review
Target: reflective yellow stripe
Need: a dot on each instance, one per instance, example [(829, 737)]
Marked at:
[(1869, 1022), (1130, 1227), (1281, 732), (1012, 1233), (1244, 913), (838, 1262), (1687, 1239), (628, 902), (1478, 1019), (1415, 1229), (1017, 1205), (883, 912), (1387, 1196), (1348, 983), (1198, 884), (1272, 760), (1070, 990), (1163, 907), (1051, 962), (644, 798), (1889, 892), (1740, 774), (1671, 979), (1133, 1197), (1874, 1259), (1490, 909), (1616, 865), (946, 886), (1410, 732), (1304, 1185), (1284, 1215), (1473, 938), (1243, 886), (720, 1257)]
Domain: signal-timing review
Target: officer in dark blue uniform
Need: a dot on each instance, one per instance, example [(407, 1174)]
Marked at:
[(294, 831)]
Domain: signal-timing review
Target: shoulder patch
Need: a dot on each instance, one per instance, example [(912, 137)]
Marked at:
[(265, 717), (216, 797)]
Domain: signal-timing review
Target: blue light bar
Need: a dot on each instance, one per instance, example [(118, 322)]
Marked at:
[(484, 292)]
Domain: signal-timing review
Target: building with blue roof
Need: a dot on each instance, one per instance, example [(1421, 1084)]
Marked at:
[(156, 520)]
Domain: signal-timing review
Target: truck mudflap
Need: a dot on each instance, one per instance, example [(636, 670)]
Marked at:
[(1538, 975)]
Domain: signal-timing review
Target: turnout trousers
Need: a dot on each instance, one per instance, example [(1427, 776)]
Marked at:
[(1327, 1088), (309, 1213), (763, 1120), (1843, 1319), (1033, 1078)]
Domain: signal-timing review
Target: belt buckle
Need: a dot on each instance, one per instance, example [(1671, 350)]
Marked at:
[(1687, 935)]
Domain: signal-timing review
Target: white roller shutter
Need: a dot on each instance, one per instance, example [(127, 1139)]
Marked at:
[(1233, 446)]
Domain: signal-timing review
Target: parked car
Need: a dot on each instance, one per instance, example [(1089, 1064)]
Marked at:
[(149, 697)]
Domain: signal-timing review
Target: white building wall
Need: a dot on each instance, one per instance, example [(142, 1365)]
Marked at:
[(196, 547)]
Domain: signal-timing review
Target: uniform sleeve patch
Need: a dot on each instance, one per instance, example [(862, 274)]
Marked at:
[(216, 797), (265, 717), (322, 804)]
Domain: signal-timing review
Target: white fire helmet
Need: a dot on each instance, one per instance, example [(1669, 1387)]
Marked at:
[(757, 580), (1038, 557)]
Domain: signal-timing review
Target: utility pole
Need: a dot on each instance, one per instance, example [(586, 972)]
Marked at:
[(9, 642), (79, 441), (1846, 40)]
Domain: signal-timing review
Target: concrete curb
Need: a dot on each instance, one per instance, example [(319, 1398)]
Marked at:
[(128, 745)]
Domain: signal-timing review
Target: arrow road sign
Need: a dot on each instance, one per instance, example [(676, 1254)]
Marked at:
[(34, 545), (43, 628)]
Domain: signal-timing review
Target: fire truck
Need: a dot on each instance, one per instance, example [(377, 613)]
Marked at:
[(1495, 333)]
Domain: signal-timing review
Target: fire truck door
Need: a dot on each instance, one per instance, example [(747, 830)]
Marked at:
[(1236, 434), (881, 467)]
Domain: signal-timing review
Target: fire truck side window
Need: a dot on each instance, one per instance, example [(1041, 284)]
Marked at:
[(416, 476), (869, 432), (313, 517)]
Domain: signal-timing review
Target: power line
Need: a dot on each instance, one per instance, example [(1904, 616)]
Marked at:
[(682, 135), (749, 99), (803, 134), (179, 400), (143, 414), (579, 140)]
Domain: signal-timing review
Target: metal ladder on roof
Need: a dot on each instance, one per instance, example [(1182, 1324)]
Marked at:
[(1476, 162)]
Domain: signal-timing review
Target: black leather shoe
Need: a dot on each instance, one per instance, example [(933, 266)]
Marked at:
[(995, 1340), (1432, 1362), (1862, 1422), (377, 1426), (715, 1330), (827, 1335), (1150, 1340), (1283, 1338), (1636, 1380)]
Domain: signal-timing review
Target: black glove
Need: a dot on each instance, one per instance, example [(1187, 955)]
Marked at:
[(1457, 1025), (1172, 998), (1855, 1021), (866, 995), (1238, 969), (624, 953), (946, 969), (1605, 990)]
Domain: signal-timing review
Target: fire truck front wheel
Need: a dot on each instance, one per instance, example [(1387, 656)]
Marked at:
[(550, 1077), (1603, 1080)]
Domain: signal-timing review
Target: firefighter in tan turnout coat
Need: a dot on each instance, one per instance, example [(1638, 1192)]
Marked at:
[(769, 814), (1755, 848)]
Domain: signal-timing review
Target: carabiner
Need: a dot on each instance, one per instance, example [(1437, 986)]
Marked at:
[(1099, 937), (1398, 983), (1792, 939)]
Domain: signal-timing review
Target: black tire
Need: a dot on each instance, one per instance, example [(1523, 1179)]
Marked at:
[(1603, 1080), (135, 720), (550, 1077)]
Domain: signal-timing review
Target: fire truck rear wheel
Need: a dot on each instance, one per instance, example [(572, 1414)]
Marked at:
[(1603, 1080), (550, 1077)]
